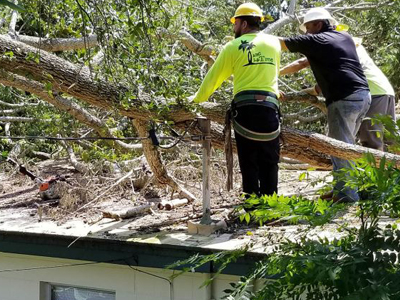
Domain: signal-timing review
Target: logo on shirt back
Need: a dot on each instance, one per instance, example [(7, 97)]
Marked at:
[(254, 58)]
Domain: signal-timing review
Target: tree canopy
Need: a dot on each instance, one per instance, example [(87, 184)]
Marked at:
[(88, 67)]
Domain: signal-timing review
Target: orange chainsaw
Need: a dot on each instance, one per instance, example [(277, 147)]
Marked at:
[(47, 189)]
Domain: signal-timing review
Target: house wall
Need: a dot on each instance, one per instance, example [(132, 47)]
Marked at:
[(17, 283)]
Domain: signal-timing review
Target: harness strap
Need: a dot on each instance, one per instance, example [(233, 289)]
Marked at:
[(255, 99), (247, 99), (228, 150), (255, 136)]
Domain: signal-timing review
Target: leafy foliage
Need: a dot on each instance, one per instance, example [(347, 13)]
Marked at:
[(362, 264), (12, 5), (293, 209), (350, 268), (219, 259)]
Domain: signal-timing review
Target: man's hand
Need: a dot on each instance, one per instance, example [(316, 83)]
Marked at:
[(314, 91), (191, 98), (282, 95)]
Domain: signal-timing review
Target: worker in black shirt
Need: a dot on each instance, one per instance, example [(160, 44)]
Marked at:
[(333, 59)]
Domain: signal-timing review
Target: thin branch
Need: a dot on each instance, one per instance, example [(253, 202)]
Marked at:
[(59, 44), (192, 44), (19, 119), (8, 111), (17, 104), (292, 7), (13, 23), (304, 119), (80, 167)]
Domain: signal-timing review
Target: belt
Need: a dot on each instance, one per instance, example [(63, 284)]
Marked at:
[(255, 99)]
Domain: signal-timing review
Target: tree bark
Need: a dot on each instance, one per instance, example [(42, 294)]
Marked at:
[(153, 158)]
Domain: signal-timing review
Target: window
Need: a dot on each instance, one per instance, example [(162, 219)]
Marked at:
[(63, 292)]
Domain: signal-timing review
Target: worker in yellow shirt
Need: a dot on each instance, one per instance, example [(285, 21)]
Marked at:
[(253, 59)]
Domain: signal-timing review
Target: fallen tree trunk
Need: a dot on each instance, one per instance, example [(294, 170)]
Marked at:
[(70, 79), (323, 144)]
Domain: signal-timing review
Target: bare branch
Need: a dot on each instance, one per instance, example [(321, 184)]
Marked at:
[(79, 166), (8, 111), (59, 44), (13, 23), (307, 99), (304, 119), (154, 160), (192, 44), (17, 104), (279, 24), (18, 119), (292, 7)]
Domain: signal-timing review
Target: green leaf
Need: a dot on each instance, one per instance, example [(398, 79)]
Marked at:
[(247, 218), (12, 5), (302, 176)]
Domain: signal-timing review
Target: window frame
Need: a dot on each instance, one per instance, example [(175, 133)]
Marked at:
[(46, 287)]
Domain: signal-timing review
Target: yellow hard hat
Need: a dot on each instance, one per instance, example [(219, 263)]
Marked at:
[(248, 9), (342, 27)]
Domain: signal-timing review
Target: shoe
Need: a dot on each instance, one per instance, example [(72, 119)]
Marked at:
[(336, 198), (328, 196)]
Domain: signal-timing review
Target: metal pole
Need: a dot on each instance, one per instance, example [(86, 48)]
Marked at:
[(205, 127)]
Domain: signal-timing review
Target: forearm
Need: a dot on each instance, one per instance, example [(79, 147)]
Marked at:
[(283, 45), (295, 66)]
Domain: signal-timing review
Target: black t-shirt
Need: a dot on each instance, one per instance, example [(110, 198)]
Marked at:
[(334, 62)]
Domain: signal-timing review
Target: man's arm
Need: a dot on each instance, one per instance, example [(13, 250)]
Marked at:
[(219, 72), (283, 45), (295, 66)]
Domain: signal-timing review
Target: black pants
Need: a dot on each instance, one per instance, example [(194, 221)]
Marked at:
[(258, 161)]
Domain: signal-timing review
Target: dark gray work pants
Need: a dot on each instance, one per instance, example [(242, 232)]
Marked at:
[(381, 104)]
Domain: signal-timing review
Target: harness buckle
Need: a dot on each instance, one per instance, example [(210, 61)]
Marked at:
[(260, 98)]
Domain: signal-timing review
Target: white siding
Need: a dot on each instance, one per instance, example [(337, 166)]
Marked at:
[(127, 283)]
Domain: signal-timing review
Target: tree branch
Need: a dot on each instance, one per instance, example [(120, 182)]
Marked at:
[(8, 111), (19, 119), (63, 104), (154, 160), (305, 119), (305, 98), (16, 105), (58, 44), (13, 23), (192, 44)]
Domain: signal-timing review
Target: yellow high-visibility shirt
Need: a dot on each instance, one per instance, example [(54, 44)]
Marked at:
[(254, 61), (377, 81)]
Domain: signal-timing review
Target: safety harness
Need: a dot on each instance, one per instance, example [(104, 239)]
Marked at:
[(247, 98)]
